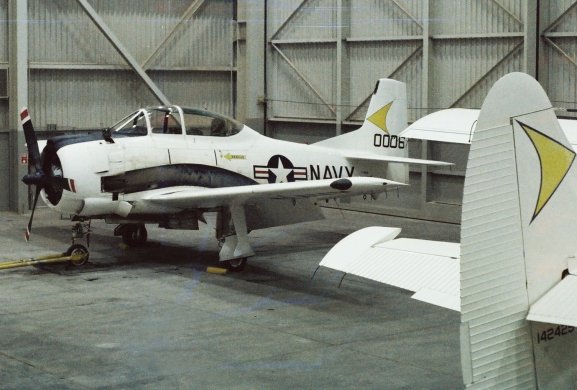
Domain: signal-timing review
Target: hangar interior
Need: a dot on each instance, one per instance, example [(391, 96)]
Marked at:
[(300, 70)]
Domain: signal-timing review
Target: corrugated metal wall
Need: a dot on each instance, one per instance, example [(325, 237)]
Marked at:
[(78, 79), (558, 56)]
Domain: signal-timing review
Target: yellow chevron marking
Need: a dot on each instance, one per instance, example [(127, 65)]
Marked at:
[(379, 117), (229, 156), (555, 160)]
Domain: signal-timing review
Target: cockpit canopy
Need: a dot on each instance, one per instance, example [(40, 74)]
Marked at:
[(176, 120)]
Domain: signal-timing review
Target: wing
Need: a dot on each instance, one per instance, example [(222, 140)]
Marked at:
[(195, 197), (429, 268)]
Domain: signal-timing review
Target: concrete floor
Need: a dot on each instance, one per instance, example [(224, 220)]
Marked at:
[(153, 318)]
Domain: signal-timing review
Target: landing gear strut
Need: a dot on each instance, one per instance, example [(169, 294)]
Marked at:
[(232, 234)]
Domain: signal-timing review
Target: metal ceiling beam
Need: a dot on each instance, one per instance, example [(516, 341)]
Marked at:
[(124, 53), (304, 79), (561, 34), (561, 51), (559, 18), (287, 20), (508, 11), (501, 61), (407, 13), (390, 76), (189, 13)]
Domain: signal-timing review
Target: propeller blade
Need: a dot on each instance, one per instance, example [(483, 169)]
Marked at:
[(62, 182), (31, 140), (29, 228)]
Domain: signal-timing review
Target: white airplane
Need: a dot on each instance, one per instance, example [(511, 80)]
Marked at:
[(170, 165), (514, 275)]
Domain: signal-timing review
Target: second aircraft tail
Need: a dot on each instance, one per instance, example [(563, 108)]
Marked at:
[(518, 244)]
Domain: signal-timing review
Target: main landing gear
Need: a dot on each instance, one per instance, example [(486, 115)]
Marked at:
[(232, 234), (235, 265), (133, 234)]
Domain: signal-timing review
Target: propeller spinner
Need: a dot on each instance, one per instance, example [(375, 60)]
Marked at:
[(40, 178)]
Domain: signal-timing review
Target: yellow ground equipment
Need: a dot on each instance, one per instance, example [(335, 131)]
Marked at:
[(76, 255)]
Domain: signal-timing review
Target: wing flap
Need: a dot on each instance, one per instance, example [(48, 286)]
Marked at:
[(558, 305), (429, 268)]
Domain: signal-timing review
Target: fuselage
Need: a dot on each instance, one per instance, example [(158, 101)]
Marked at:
[(162, 147)]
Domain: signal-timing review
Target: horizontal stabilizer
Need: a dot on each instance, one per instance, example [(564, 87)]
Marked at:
[(453, 125), (457, 125), (558, 305), (429, 268)]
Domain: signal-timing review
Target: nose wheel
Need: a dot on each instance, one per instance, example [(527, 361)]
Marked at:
[(78, 254)]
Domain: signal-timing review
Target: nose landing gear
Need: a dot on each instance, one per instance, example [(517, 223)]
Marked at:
[(78, 253)]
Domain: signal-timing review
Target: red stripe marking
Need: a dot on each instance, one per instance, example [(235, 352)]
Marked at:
[(24, 116)]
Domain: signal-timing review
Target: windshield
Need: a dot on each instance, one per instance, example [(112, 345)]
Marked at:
[(132, 125)]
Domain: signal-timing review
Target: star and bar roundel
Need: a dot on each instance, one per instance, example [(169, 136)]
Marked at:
[(280, 169), (555, 160)]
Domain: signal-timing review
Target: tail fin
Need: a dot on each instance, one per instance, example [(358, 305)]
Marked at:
[(379, 135), (518, 237), (387, 114)]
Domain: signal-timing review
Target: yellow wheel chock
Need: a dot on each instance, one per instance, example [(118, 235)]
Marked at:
[(77, 255)]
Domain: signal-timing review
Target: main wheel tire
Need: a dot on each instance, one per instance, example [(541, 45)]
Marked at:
[(134, 234), (78, 249), (235, 265)]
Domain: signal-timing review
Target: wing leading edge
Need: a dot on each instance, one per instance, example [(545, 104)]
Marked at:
[(187, 197)]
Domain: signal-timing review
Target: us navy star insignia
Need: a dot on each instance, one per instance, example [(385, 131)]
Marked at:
[(555, 160), (280, 169)]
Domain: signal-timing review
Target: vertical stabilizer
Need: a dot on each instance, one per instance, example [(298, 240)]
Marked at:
[(517, 236), (379, 135)]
